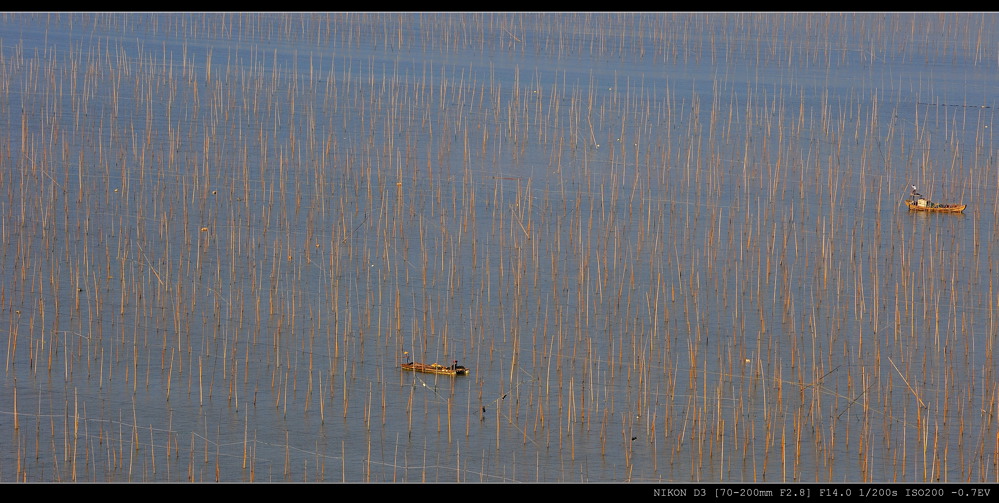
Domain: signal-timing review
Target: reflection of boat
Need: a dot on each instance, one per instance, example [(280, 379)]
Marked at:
[(436, 368), (925, 205)]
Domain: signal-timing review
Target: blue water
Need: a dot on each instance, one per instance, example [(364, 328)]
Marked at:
[(671, 247)]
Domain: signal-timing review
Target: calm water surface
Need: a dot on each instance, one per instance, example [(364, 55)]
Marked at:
[(671, 247)]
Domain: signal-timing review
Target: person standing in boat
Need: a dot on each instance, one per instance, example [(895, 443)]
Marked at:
[(919, 199)]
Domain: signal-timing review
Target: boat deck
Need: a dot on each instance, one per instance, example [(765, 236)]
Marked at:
[(436, 368), (934, 207)]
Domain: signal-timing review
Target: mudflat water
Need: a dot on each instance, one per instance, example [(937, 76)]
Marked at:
[(670, 247)]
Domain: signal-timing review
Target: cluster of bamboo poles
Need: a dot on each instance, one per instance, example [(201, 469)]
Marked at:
[(214, 258)]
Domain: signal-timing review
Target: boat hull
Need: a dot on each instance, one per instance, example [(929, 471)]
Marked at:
[(936, 208), (435, 368)]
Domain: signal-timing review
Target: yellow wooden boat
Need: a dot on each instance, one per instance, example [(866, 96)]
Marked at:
[(925, 205), (436, 368)]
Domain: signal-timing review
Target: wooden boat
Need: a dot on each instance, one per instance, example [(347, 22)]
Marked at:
[(924, 205), (436, 368)]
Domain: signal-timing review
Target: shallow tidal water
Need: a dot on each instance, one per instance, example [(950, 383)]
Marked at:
[(671, 247)]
